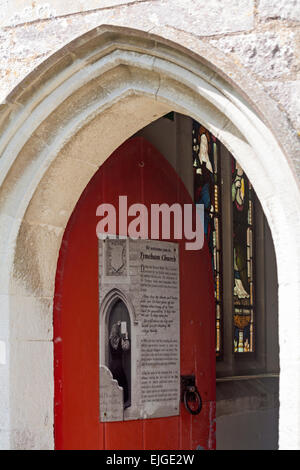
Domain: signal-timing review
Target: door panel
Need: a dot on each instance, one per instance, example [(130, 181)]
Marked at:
[(137, 170)]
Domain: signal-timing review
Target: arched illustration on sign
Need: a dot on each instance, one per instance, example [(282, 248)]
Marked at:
[(119, 349), (116, 317)]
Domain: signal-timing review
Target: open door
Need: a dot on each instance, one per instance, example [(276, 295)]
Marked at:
[(96, 312)]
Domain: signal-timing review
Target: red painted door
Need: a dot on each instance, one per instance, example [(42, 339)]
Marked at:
[(135, 169)]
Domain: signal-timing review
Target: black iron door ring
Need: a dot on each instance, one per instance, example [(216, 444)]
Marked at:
[(192, 395)]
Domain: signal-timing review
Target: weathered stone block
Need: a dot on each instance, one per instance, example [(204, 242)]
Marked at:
[(31, 318), (32, 381), (4, 397), (24, 11), (280, 9), (288, 96), (268, 55), (201, 17), (4, 440)]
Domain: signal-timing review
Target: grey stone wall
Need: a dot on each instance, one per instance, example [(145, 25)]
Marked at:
[(262, 36)]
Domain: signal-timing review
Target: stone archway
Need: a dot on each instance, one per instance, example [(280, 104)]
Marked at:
[(58, 127)]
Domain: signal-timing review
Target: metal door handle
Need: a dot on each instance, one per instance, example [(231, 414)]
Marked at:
[(190, 394)]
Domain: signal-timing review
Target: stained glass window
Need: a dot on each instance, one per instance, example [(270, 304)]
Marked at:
[(243, 262), (206, 165)]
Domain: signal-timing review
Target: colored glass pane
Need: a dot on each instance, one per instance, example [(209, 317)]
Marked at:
[(243, 291), (206, 165)]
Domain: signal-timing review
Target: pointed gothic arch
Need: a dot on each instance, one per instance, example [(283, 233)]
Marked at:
[(107, 85)]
